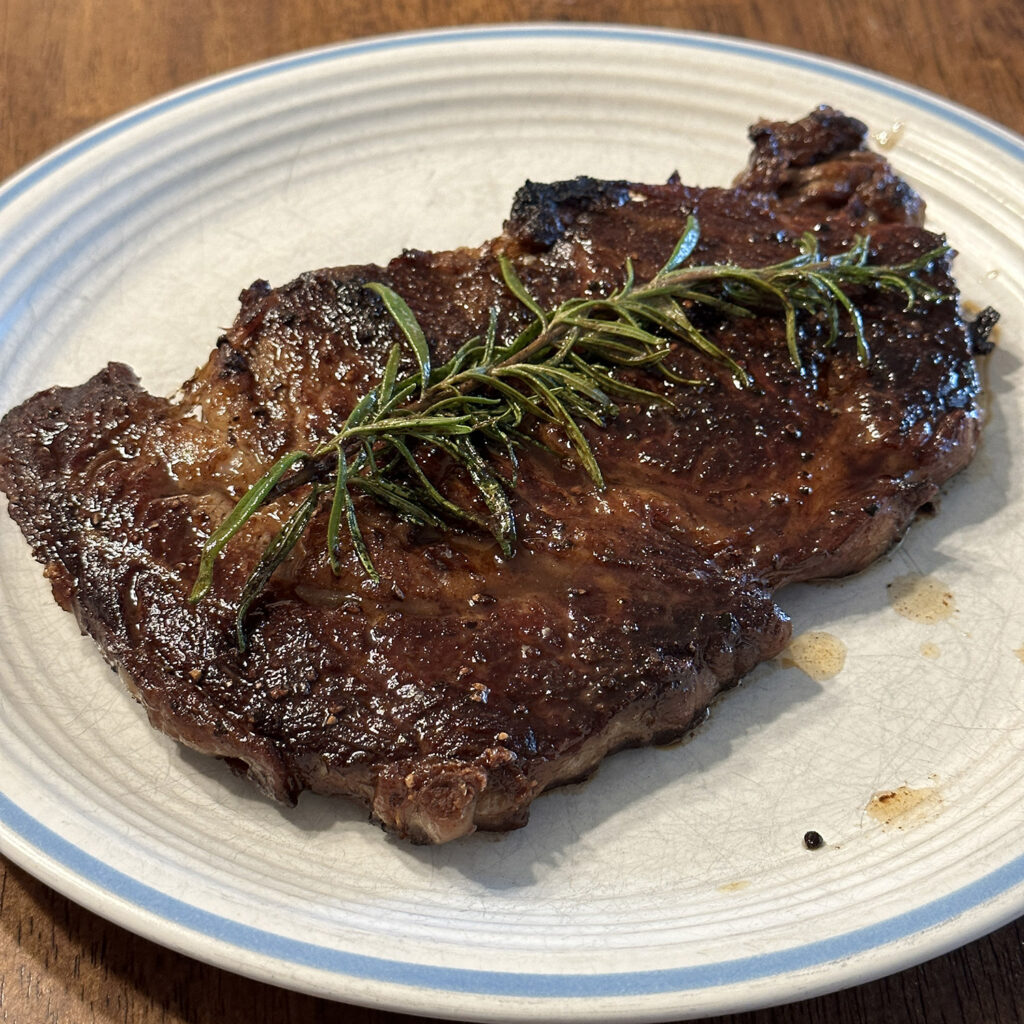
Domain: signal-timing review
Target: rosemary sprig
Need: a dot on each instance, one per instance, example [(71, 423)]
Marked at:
[(563, 369)]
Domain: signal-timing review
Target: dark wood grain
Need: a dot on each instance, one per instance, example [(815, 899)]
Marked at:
[(64, 66)]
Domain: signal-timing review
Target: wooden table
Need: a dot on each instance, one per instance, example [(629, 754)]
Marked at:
[(66, 65)]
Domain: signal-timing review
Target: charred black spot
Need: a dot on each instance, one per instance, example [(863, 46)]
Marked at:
[(232, 360), (979, 333), (542, 213), (259, 289)]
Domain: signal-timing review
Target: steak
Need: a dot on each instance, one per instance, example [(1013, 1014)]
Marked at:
[(450, 694)]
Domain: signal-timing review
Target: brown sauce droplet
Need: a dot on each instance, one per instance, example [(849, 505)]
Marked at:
[(819, 655), (903, 807), (921, 599)]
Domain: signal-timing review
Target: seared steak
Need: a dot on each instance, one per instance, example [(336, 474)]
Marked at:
[(455, 691)]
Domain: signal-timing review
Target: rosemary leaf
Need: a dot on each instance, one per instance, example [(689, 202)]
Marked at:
[(387, 382), (560, 414), (518, 289), (403, 500), (627, 286), (685, 246), (413, 424), (406, 320), (612, 385), (491, 338), (853, 314), (430, 491), (490, 489), (343, 497), (246, 508), (575, 382), (273, 556), (339, 509), (514, 395)]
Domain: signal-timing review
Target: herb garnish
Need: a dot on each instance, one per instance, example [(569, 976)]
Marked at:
[(563, 369)]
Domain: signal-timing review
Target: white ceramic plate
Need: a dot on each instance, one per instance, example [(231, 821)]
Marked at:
[(676, 882)]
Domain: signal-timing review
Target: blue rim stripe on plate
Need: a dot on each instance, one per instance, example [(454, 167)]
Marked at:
[(499, 983), (137, 894)]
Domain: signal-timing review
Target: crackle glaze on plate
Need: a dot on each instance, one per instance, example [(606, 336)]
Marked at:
[(676, 882)]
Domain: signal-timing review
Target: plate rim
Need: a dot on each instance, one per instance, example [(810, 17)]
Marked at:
[(996, 904), (989, 901), (49, 162)]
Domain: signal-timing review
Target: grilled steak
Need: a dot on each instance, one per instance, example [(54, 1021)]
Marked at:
[(452, 693)]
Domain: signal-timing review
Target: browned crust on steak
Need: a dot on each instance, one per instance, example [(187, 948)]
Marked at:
[(449, 696)]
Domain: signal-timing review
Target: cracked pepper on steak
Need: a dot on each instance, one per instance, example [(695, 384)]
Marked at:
[(450, 695)]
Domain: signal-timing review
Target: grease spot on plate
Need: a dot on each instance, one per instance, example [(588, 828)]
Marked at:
[(819, 655), (886, 138), (921, 599), (738, 886), (930, 650), (1020, 652), (904, 807)]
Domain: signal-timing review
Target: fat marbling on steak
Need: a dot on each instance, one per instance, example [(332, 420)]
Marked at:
[(447, 697)]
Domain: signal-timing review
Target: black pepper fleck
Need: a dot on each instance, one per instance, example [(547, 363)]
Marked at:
[(813, 840)]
